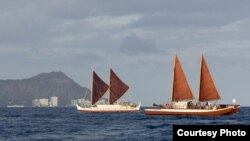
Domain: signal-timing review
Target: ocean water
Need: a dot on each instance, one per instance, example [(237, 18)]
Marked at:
[(68, 124)]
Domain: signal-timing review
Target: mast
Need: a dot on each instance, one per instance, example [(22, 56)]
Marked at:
[(109, 85), (172, 90), (92, 81), (199, 80)]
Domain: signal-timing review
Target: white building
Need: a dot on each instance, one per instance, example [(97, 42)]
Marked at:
[(35, 103), (44, 102), (80, 102), (53, 101), (74, 102)]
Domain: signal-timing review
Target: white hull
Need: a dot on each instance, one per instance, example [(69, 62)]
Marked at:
[(109, 108)]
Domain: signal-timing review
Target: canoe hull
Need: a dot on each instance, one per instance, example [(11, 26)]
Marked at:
[(206, 112), (109, 108)]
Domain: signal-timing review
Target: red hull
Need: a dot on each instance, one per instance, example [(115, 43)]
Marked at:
[(222, 111)]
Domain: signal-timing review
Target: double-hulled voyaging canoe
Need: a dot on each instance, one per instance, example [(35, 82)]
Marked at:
[(182, 94), (116, 89)]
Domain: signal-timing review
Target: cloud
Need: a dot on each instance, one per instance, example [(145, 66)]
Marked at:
[(76, 35), (106, 21), (133, 45)]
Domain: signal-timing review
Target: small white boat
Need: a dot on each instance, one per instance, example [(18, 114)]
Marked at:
[(15, 106)]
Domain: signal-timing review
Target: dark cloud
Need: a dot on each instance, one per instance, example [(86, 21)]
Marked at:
[(133, 45)]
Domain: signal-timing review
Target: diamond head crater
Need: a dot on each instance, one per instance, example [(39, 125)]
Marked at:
[(42, 86)]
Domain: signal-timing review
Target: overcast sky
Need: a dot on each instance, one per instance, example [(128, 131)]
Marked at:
[(137, 38)]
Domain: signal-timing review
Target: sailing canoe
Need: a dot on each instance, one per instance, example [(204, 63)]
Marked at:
[(117, 88), (181, 92)]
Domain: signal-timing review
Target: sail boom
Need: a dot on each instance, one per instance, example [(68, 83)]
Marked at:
[(209, 100), (182, 100)]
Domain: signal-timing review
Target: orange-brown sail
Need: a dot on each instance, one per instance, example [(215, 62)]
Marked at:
[(207, 90), (99, 87), (181, 89), (117, 87)]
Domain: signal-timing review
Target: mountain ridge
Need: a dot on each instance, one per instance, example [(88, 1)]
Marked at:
[(43, 85)]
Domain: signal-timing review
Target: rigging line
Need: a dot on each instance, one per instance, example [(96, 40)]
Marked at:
[(129, 96), (85, 94)]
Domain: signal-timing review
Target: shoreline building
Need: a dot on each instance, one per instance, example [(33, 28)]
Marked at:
[(53, 101), (45, 102), (74, 102)]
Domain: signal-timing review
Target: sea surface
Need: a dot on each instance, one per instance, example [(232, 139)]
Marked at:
[(68, 124)]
